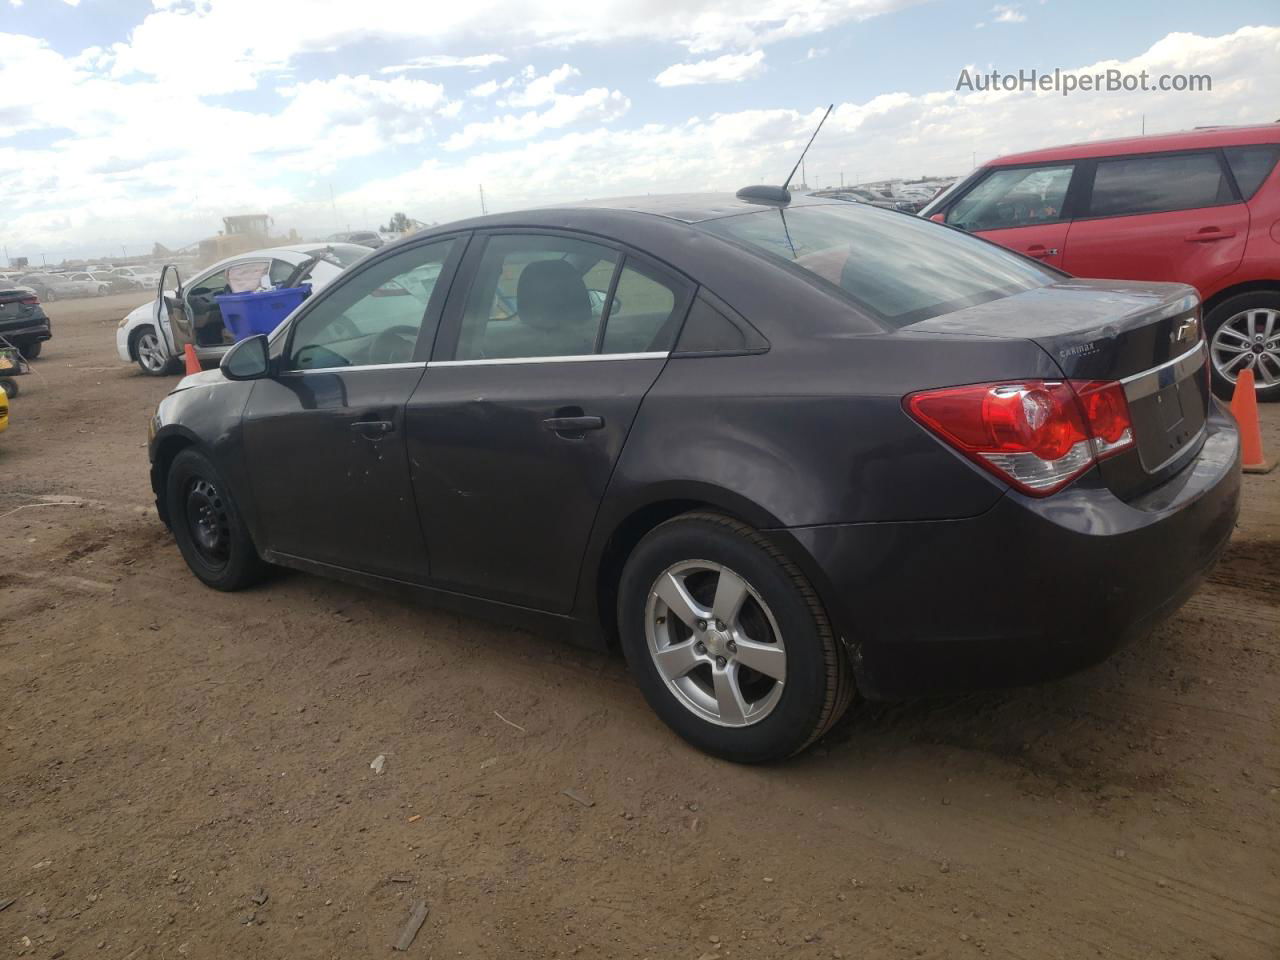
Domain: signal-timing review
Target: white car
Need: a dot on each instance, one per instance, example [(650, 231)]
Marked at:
[(144, 275), (155, 334)]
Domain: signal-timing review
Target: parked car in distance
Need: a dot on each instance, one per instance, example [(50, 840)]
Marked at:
[(57, 286), (779, 426), (144, 276), (858, 195), (116, 283), (1199, 207), (153, 335), (23, 322), (366, 238)]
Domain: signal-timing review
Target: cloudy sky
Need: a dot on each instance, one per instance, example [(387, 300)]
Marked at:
[(125, 122)]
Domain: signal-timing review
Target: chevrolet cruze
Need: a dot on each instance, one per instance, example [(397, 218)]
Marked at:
[(782, 452)]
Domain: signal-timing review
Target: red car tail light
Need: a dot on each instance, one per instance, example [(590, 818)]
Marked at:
[(31, 301), (1037, 435)]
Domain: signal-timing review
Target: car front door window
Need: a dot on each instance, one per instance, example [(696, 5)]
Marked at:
[(375, 318), (1015, 197)]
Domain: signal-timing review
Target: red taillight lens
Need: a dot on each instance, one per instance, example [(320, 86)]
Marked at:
[(32, 301), (1038, 435)]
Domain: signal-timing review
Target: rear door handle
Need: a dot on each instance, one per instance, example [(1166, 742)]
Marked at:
[(571, 425), (373, 429), (1209, 233)]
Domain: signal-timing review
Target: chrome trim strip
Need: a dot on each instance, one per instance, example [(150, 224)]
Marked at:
[(361, 366), (1182, 450), (1147, 382), (581, 358)]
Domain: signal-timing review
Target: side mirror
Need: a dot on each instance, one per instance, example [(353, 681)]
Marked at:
[(247, 360)]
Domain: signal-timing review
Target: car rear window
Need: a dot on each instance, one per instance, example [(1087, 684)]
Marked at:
[(1155, 184), (1250, 166), (897, 267)]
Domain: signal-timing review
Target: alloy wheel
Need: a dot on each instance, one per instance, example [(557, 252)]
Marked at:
[(208, 522), (715, 643), (150, 355), (1249, 339)]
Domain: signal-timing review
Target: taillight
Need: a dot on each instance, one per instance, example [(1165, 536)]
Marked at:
[(1037, 435), (30, 301)]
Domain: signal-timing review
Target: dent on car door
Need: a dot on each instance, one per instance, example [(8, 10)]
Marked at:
[(324, 437), (546, 352), (1022, 208)]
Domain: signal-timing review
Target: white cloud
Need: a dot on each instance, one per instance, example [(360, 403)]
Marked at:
[(486, 89), (533, 91), (729, 68), (123, 176), (1006, 13), (445, 61)]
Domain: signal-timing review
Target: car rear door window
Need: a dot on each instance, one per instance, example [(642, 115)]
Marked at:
[(536, 296), (1014, 197), (642, 314), (1158, 183), (1250, 166), (374, 318)]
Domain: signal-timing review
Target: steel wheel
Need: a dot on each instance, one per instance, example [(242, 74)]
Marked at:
[(1248, 339), (208, 522), (151, 356), (715, 643)]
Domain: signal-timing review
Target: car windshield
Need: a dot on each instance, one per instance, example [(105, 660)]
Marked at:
[(900, 269)]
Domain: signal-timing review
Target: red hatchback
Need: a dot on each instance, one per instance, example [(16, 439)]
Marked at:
[(1201, 208)]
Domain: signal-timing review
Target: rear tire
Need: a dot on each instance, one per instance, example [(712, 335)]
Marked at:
[(31, 348), (207, 524), (10, 388), (703, 681), (1237, 336)]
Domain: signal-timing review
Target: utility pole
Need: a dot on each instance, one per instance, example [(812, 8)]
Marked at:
[(483, 209), (333, 206)]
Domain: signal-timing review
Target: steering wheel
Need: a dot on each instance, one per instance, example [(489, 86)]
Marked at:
[(393, 345), (342, 328)]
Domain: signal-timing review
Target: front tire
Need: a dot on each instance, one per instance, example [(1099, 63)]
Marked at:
[(1244, 332), (10, 388), (208, 526), (149, 353), (728, 641)]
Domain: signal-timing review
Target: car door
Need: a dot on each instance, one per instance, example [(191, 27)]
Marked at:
[(1022, 208), (324, 436), (550, 343), (1168, 216)]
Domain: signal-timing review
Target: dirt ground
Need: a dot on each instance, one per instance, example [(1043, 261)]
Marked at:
[(167, 753)]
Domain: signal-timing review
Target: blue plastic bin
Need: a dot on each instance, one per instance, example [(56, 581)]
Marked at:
[(247, 314)]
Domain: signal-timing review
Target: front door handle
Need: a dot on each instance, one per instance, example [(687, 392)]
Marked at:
[(373, 429), (1041, 252), (573, 425), (1206, 234)]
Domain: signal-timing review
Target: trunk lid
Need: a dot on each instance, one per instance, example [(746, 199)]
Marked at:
[(1146, 335)]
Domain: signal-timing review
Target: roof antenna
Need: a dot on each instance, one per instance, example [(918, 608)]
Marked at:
[(763, 193)]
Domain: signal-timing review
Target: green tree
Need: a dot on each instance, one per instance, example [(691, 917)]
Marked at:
[(399, 223)]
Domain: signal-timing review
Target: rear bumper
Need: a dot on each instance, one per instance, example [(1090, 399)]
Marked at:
[(27, 328), (1031, 589)]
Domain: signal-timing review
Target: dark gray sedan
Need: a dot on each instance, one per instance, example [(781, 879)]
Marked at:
[(780, 453)]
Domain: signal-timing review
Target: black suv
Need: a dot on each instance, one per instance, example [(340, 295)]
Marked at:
[(23, 322)]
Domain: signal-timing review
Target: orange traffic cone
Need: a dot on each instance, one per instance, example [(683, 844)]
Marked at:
[(1244, 406), (189, 355)]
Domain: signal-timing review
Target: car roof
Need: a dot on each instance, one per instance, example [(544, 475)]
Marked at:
[(680, 207), (296, 252), (1185, 140)]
